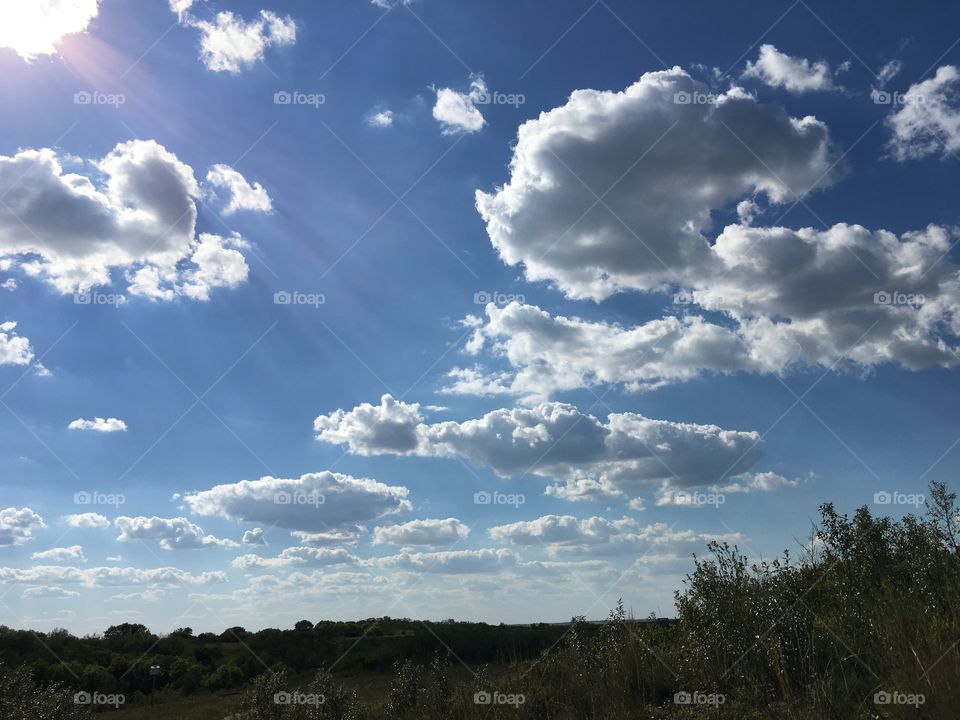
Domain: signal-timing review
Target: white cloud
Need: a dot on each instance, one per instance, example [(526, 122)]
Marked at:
[(49, 591), (135, 211), (99, 424), (314, 502), (35, 27), (627, 454), (145, 596), (380, 118), (231, 44), (450, 562), (173, 533), (10, 284), (349, 535), (661, 166), (86, 520), (928, 120), (298, 557), (18, 526), (566, 535), (254, 537), (794, 74), (757, 482), (550, 354), (74, 553), (889, 71), (14, 349), (107, 576), (879, 299), (241, 195), (435, 533), (457, 112)]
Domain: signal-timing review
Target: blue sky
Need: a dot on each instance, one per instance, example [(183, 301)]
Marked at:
[(685, 216)]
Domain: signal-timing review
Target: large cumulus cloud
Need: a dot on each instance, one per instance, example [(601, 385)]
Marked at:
[(134, 212), (613, 189), (624, 455)]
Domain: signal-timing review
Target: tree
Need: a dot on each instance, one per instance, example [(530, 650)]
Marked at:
[(303, 625)]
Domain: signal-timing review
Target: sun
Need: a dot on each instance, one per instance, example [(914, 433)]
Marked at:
[(33, 27)]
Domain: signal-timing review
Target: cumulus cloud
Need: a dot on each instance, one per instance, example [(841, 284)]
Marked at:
[(658, 165), (298, 557), (254, 537), (18, 526), (794, 74), (844, 297), (172, 533), (229, 43), (314, 502), (627, 454), (107, 576), (35, 28), (450, 562), (134, 211), (457, 112), (435, 533), (50, 592), (380, 118), (98, 424), (74, 553), (549, 354), (86, 520), (349, 535), (566, 535), (928, 120), (239, 194), (14, 349)]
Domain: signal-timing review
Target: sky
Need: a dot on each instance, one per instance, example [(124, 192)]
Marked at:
[(336, 310)]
